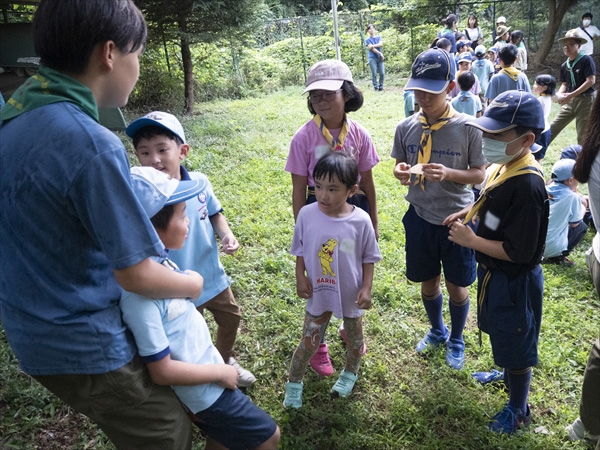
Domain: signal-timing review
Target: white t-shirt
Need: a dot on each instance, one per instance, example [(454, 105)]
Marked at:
[(588, 47)]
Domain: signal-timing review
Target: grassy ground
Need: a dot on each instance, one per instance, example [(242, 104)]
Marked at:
[(401, 401)]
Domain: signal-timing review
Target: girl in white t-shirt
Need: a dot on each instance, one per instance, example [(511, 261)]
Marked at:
[(473, 32), (331, 95), (545, 88)]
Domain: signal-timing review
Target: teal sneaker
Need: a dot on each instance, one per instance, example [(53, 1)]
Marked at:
[(434, 339), (343, 386), (293, 395), (455, 353), (510, 419)]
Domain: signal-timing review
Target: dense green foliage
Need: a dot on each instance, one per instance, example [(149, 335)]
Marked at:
[(401, 401)]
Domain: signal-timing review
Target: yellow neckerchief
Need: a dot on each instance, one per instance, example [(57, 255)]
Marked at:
[(511, 72), (335, 144), (426, 144), (523, 166)]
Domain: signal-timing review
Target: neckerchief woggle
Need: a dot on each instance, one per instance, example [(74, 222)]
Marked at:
[(523, 166), (335, 144), (49, 86), (426, 144)]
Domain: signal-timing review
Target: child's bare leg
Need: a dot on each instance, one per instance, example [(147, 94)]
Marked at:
[(211, 444), (314, 328), (271, 443), (356, 341)]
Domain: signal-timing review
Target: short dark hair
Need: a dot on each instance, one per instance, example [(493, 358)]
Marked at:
[(354, 95), (587, 14), (369, 27), (517, 34), (161, 219), (522, 129), (508, 54), (443, 43), (148, 132), (66, 32), (547, 80), (341, 164), (466, 80)]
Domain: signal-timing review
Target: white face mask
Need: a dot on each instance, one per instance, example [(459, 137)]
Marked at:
[(586, 22), (495, 151)]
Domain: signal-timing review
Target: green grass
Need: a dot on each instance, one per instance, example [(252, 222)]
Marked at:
[(401, 401)]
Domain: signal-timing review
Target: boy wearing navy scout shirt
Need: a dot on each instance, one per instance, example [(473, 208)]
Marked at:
[(512, 212)]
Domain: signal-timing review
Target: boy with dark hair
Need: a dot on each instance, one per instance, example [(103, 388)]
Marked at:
[(443, 157), (173, 339), (508, 78), (512, 212), (159, 142), (467, 102), (61, 282)]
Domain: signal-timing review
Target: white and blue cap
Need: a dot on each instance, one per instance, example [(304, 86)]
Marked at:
[(155, 189), (563, 169), (510, 110), (432, 71), (159, 119)]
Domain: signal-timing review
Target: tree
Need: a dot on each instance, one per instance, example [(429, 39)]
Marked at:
[(557, 10), (192, 21)]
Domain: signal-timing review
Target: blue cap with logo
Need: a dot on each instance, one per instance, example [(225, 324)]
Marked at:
[(432, 71), (510, 110), (158, 119)]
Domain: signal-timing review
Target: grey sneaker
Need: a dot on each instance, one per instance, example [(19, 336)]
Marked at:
[(577, 432), (246, 377)]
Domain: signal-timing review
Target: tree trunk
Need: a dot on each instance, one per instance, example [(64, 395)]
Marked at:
[(556, 14), (186, 60)]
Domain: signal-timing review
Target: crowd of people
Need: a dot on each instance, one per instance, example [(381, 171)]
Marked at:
[(140, 361)]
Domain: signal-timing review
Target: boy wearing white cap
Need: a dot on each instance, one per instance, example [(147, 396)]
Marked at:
[(566, 227), (512, 212), (437, 157), (483, 69), (173, 339), (159, 142)]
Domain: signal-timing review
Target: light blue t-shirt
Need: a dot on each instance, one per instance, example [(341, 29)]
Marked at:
[(69, 218), (565, 208), (482, 69), (173, 326), (501, 83), (467, 103), (201, 249), (372, 41)]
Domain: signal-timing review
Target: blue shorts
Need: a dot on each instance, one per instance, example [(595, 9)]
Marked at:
[(235, 422), (510, 311), (428, 249)]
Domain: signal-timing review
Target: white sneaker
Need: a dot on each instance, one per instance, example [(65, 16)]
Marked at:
[(576, 432), (246, 377)]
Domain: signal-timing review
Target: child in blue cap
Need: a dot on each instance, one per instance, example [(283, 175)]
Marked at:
[(512, 219)]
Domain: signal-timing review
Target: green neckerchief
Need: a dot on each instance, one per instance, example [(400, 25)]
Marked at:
[(570, 66), (49, 86)]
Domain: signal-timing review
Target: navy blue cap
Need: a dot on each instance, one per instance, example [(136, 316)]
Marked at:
[(570, 152), (432, 71), (465, 57), (510, 110)]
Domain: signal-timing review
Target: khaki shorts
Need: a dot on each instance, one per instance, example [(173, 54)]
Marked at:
[(134, 412)]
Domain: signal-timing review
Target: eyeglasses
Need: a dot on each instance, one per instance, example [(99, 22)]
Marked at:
[(327, 96)]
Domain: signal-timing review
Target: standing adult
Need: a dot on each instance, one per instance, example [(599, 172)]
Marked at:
[(448, 31), (375, 46), (73, 232), (577, 92), (587, 170), (590, 32), (473, 32), (501, 21)]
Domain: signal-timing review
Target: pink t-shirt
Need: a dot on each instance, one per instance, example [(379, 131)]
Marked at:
[(308, 140)]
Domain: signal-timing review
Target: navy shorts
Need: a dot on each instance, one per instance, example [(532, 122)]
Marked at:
[(509, 309), (235, 422), (428, 250)]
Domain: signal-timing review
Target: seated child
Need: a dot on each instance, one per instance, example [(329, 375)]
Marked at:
[(467, 102), (174, 341), (335, 247), (159, 141), (565, 224)]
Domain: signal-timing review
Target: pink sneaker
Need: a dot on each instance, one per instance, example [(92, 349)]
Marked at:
[(321, 363), (344, 337)]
